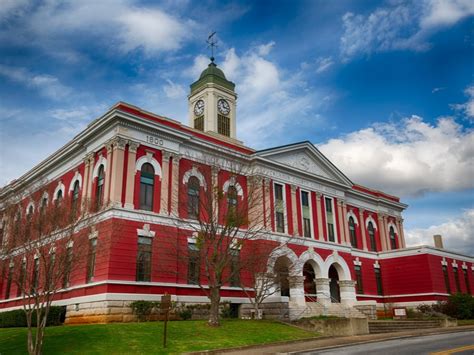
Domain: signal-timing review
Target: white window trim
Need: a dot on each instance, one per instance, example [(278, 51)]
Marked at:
[(370, 219), (58, 188), (100, 161), (310, 205), (232, 182), (352, 214), (31, 204), (285, 219), (148, 158), (146, 231), (336, 237), (391, 224), (77, 177), (196, 173)]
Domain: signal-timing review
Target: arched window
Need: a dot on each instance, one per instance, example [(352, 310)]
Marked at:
[(99, 192), (393, 242), (147, 181), (75, 192), (59, 197), (193, 197), (352, 232), (232, 198), (370, 228), (30, 212)]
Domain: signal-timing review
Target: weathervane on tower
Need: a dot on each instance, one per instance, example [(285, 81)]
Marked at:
[(212, 42)]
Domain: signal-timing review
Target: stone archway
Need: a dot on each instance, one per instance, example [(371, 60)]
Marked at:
[(334, 285), (282, 272), (309, 280), (341, 287)]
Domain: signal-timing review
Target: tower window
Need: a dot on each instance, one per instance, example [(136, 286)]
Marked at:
[(199, 123), (223, 125)]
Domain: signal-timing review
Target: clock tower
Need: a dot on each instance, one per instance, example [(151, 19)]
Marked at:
[(212, 103)]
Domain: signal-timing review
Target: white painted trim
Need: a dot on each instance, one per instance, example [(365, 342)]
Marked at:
[(370, 219), (357, 262), (45, 195), (376, 264), (148, 158), (30, 204), (315, 260), (145, 232), (196, 173), (338, 260), (391, 224), (232, 182), (58, 188), (280, 251), (100, 161), (77, 177), (352, 214)]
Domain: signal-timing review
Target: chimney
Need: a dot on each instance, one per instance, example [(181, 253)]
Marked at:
[(438, 241)]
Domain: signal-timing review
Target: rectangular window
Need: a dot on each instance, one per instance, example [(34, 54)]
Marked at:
[(223, 125), (358, 272), (199, 123), (446, 279), (67, 267), (193, 264), (330, 219), (234, 268), (466, 279), (279, 208), (306, 212), (456, 279), (378, 280), (91, 259), (35, 276), (146, 193), (143, 272), (9, 281)]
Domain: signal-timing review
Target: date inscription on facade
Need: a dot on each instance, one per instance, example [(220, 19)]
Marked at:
[(154, 140)]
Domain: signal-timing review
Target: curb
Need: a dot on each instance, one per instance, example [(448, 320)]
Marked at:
[(433, 331)]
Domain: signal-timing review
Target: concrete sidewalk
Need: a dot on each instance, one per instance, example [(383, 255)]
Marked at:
[(332, 342)]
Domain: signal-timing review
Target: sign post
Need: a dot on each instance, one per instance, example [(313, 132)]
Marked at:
[(165, 306)]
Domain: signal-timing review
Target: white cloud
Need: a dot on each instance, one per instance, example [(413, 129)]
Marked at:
[(199, 64), (409, 158), (174, 91), (47, 85), (264, 49), (153, 30), (118, 23), (468, 107), (323, 64), (403, 26), (457, 234)]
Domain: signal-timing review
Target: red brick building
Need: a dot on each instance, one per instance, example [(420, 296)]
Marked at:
[(343, 243)]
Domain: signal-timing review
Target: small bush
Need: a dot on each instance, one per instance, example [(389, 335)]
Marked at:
[(459, 306), (17, 318), (185, 313), (143, 309)]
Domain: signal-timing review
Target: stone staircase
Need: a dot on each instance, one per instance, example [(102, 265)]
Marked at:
[(380, 326)]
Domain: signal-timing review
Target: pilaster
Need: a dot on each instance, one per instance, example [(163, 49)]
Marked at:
[(345, 223), (319, 216), (175, 184), (268, 207), (342, 236), (382, 233), (256, 202), (130, 185), (116, 174), (165, 168), (88, 177), (108, 173), (401, 236)]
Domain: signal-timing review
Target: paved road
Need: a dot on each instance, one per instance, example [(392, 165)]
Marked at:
[(454, 343)]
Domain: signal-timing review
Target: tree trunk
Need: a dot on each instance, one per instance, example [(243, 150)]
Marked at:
[(215, 297)]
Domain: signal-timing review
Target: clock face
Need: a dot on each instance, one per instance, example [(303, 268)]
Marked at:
[(199, 108), (223, 106)]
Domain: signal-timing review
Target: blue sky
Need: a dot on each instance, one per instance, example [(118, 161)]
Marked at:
[(384, 88)]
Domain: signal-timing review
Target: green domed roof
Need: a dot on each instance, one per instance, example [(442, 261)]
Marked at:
[(212, 74), (212, 69)]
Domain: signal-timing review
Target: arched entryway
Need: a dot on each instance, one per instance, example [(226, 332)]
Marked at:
[(282, 272), (309, 281), (334, 285)]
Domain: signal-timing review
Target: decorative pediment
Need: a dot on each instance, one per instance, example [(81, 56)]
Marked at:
[(305, 157)]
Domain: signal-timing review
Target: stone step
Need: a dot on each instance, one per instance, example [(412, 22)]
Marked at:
[(398, 326)]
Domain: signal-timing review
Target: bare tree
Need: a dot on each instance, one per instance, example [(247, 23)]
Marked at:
[(41, 250), (222, 206)]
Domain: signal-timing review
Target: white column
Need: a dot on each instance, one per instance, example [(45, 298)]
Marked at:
[(175, 185), (381, 230), (90, 180), (323, 292), (116, 183), (401, 237), (108, 174), (342, 237), (268, 207), (165, 181), (345, 223), (319, 216), (348, 292), (130, 186), (297, 290), (362, 228)]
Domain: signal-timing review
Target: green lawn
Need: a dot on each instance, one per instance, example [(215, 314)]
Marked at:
[(141, 338)]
